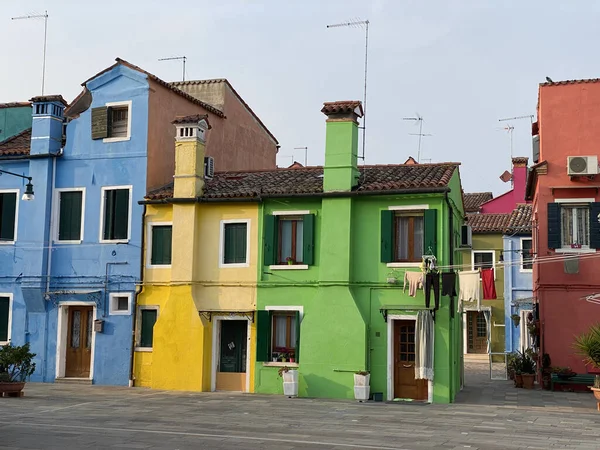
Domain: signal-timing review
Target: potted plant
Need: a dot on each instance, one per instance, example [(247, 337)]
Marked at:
[(546, 372), (588, 346), (527, 370), (391, 277), (517, 365), (516, 319), (564, 373), (292, 357), (510, 365), (283, 357), (362, 386), (290, 381), (290, 261), (16, 364)]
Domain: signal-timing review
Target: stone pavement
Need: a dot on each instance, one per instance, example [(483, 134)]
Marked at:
[(488, 415)]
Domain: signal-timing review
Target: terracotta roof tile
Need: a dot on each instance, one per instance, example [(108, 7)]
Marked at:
[(309, 180), (14, 105), (474, 200), (558, 83), (520, 160), (49, 98), (488, 223), (16, 145), (194, 118), (342, 107), (520, 220)]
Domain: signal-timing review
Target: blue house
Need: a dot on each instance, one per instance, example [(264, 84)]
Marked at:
[(518, 283), (70, 260)]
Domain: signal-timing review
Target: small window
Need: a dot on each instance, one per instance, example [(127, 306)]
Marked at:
[(119, 121), (483, 260), (120, 304), (235, 239), (116, 214), (161, 245), (575, 225), (8, 216), (408, 237), (291, 234), (147, 319), (526, 254), (278, 336), (5, 316), (70, 215)]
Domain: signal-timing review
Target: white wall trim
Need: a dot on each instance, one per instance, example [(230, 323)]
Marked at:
[(289, 267), (62, 333), (407, 207), (465, 325), (222, 264), (403, 264), (291, 213), (56, 209), (125, 138), (574, 200), (18, 194), (521, 269), (216, 348), (101, 239), (138, 327), (493, 252), (112, 311), (149, 264), (10, 306)]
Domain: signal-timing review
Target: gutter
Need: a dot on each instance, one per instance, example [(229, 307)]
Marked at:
[(138, 291)]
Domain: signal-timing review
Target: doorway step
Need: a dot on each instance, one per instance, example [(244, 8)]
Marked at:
[(73, 380)]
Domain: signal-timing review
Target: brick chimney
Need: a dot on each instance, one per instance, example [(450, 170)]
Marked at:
[(190, 141), (519, 176), (341, 145)]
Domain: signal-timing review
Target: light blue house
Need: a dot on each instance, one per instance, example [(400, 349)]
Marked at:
[(518, 283)]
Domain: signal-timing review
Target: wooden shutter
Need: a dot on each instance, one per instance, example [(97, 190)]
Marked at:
[(100, 122), (147, 328), (595, 225), (554, 232), (387, 236), (430, 231), (161, 245), (121, 213), (297, 320), (4, 312), (109, 215), (8, 208), (270, 240), (69, 227), (235, 242), (308, 239), (263, 335)]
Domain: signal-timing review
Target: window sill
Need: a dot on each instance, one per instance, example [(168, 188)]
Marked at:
[(116, 139), (526, 270), (575, 250), (281, 364), (144, 349), (289, 267), (404, 264), (7, 242), (158, 266), (119, 313), (233, 265), (68, 242), (116, 241)]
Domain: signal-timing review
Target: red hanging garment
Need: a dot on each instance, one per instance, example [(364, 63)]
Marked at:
[(487, 279)]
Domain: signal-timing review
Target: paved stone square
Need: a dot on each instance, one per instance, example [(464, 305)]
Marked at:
[(487, 415)]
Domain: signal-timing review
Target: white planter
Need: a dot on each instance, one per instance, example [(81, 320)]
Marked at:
[(291, 376), (290, 389), (362, 380), (362, 392)]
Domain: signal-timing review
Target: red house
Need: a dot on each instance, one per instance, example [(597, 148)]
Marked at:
[(564, 186)]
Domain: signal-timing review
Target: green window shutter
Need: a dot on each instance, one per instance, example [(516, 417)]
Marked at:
[(554, 232), (297, 319), (308, 239), (263, 336), (161, 245), (4, 312), (8, 208), (387, 236), (121, 214), (270, 240), (109, 215), (69, 227), (595, 225), (235, 241), (430, 231), (100, 122), (147, 328)]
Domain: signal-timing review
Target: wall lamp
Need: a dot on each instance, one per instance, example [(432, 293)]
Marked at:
[(28, 195)]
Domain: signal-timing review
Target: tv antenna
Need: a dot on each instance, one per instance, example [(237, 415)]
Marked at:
[(45, 17), (358, 23), (418, 119), (305, 154), (511, 128), (177, 58)]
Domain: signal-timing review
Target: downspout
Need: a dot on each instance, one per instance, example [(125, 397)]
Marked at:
[(138, 291)]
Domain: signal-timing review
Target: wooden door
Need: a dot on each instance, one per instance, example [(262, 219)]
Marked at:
[(476, 332), (79, 341), (231, 369), (405, 384)]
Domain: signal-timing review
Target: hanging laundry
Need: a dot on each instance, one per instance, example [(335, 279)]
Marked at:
[(469, 288), (449, 284), (414, 280), (487, 279), (432, 280)]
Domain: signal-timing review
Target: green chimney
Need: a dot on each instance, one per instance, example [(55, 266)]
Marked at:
[(341, 145)]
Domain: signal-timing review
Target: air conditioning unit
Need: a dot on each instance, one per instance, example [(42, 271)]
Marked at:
[(466, 236), (209, 167), (582, 165)]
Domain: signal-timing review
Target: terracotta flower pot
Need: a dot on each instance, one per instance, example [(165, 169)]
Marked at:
[(518, 380), (528, 380), (596, 392), (10, 387)]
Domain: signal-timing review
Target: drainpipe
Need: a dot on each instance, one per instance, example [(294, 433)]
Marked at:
[(138, 291)]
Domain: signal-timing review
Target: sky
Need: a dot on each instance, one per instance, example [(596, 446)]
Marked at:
[(461, 65)]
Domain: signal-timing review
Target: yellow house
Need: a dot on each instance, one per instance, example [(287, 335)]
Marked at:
[(195, 326)]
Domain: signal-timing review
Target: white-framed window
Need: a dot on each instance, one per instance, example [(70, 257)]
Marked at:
[(280, 327), (144, 335), (5, 318), (483, 259), (158, 250), (69, 215), (234, 243), (406, 235), (120, 303), (119, 121), (9, 215), (575, 225), (526, 254), (115, 214)]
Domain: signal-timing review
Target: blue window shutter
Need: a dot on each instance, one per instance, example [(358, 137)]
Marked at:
[(554, 232), (595, 225)]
